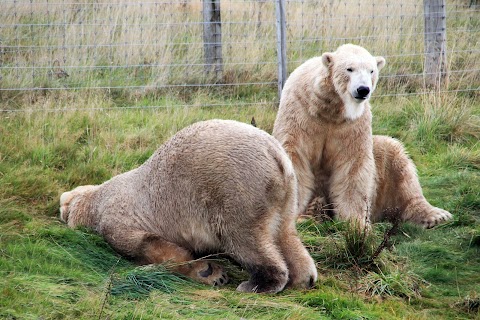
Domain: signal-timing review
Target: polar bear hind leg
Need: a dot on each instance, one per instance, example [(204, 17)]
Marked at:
[(398, 186), (149, 248)]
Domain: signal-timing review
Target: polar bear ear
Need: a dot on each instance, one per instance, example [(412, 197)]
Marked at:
[(327, 58), (380, 62)]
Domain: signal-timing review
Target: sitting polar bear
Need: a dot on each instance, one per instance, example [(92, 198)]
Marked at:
[(216, 186), (324, 124)]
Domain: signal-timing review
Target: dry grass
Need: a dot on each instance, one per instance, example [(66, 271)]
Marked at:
[(155, 44)]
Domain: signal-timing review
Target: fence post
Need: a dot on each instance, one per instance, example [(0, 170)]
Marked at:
[(435, 67), (212, 38), (281, 44)]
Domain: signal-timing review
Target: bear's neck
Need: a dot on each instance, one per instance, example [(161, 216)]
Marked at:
[(84, 212), (326, 103)]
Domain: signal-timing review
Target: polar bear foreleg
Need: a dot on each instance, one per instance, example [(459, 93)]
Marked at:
[(302, 271), (258, 251), (351, 195), (264, 261)]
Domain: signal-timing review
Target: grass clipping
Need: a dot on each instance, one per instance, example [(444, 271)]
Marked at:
[(139, 282)]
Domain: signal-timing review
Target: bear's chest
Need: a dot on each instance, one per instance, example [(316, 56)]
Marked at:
[(344, 143)]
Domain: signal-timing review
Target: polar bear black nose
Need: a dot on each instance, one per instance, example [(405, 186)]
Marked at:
[(363, 91)]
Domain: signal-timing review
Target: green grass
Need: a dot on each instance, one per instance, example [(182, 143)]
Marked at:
[(48, 271)]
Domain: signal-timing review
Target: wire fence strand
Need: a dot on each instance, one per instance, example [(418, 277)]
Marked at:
[(82, 45)]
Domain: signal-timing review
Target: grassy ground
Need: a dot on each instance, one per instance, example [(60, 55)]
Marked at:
[(48, 271)]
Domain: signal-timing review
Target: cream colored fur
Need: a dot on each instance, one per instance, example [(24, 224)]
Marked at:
[(324, 124), (217, 186), (397, 186)]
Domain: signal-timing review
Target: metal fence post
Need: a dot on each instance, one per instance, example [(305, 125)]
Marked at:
[(212, 37), (281, 44), (435, 67)]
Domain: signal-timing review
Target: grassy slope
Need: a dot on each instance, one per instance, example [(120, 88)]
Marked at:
[(52, 272)]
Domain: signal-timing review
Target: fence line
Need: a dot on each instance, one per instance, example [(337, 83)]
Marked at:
[(212, 105), (134, 45)]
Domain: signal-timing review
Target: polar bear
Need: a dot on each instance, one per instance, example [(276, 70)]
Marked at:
[(216, 186), (324, 122)]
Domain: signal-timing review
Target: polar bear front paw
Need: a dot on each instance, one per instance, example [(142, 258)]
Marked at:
[(435, 217), (265, 279), (304, 280)]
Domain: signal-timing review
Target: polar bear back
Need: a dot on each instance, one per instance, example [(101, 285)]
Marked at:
[(208, 173)]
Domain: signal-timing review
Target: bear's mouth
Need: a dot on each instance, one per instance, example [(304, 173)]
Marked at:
[(361, 98)]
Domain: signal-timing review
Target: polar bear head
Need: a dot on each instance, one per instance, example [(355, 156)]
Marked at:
[(69, 198), (354, 74)]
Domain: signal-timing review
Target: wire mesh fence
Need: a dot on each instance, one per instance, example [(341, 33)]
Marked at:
[(153, 45)]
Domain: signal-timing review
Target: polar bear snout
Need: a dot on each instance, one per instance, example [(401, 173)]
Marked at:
[(361, 84), (362, 92)]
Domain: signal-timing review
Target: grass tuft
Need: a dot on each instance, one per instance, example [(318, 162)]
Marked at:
[(367, 257), (439, 118), (400, 283)]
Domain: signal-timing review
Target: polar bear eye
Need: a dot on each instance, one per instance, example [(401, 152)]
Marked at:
[(350, 70), (371, 71)]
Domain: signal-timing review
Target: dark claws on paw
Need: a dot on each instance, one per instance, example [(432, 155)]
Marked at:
[(206, 273)]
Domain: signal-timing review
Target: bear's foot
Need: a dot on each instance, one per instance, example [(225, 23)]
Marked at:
[(208, 273), (264, 280), (303, 281), (424, 214), (302, 270), (434, 217)]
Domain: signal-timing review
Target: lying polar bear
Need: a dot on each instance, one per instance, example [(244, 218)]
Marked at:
[(216, 186), (324, 123)]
